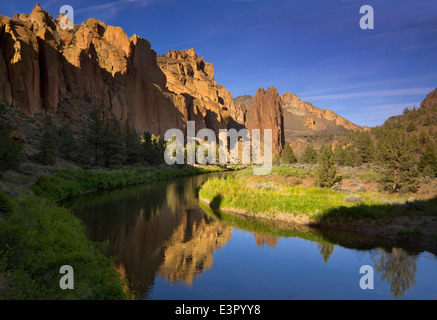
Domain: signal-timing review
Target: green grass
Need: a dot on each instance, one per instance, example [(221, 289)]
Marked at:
[(38, 237), (259, 195), (73, 182)]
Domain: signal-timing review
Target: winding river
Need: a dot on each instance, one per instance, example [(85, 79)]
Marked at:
[(169, 246)]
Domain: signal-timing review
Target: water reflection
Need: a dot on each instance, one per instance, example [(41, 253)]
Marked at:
[(161, 230), (154, 230), (397, 268)]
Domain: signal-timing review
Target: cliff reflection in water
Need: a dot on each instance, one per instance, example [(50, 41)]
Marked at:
[(155, 229), (161, 230)]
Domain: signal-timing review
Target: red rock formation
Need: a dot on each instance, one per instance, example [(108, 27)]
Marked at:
[(266, 113), (45, 68), (315, 118)]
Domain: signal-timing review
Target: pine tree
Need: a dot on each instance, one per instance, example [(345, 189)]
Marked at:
[(365, 147), (11, 151), (428, 158), (113, 144), (132, 144), (66, 142), (276, 160), (339, 155), (410, 127), (93, 138), (423, 138), (398, 161), (309, 155), (287, 155), (147, 149), (351, 157), (326, 172), (47, 145)]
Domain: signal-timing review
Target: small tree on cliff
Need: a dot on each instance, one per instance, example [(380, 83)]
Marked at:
[(326, 172)]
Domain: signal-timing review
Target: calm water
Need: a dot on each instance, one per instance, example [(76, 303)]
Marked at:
[(171, 247)]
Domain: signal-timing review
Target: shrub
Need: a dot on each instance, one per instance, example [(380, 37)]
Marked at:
[(353, 198)]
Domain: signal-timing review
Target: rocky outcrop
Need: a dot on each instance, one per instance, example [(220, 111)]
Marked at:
[(266, 113), (430, 100), (314, 119), (208, 102), (47, 69)]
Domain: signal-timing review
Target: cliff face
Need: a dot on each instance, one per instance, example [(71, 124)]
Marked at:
[(266, 113), (44, 68), (313, 118), (302, 118), (208, 103)]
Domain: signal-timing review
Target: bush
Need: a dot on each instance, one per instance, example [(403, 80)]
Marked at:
[(353, 198), (6, 205)]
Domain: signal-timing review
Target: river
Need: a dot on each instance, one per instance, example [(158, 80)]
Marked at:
[(169, 246)]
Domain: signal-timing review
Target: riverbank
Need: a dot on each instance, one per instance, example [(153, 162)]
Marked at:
[(279, 197), (38, 235)]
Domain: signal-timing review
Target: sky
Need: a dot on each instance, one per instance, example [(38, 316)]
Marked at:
[(314, 48)]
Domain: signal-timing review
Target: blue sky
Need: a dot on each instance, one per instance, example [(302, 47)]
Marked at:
[(314, 48)]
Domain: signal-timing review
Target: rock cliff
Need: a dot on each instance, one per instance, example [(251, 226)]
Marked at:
[(266, 113), (44, 68)]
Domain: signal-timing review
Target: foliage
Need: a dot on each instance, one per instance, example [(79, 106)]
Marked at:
[(47, 145), (38, 238), (73, 182), (326, 171), (398, 161), (287, 155), (11, 151), (309, 155), (67, 145), (339, 155)]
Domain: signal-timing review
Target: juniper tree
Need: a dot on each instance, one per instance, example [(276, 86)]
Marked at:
[(11, 151), (287, 155), (113, 144), (339, 155), (47, 144), (66, 142), (428, 158), (365, 147), (351, 158), (132, 144), (276, 160), (309, 155), (398, 161), (93, 138), (326, 171)]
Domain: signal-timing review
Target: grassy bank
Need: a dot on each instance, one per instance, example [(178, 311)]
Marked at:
[(73, 182), (38, 236), (279, 197)]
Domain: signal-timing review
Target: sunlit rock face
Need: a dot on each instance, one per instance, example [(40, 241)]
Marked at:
[(208, 103), (314, 118), (45, 68), (266, 113)]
